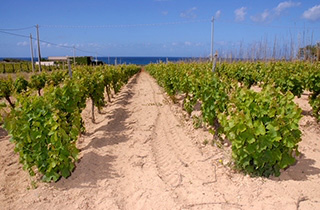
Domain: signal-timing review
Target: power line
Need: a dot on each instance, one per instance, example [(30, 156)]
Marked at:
[(16, 29), (125, 25), (14, 34), (6, 31), (157, 24), (172, 23), (68, 47), (47, 42)]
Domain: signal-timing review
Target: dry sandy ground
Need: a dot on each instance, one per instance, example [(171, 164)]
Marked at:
[(143, 154)]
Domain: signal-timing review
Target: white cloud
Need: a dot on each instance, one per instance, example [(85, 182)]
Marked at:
[(265, 15), (261, 17), (268, 15), (45, 44), (240, 14), (218, 14), (312, 13), (24, 43), (285, 5), (190, 13)]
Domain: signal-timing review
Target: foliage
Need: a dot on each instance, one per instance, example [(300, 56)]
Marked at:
[(292, 79), (264, 131), (310, 52), (21, 84), (94, 89), (6, 90), (313, 85), (214, 99), (45, 130), (84, 60), (314, 101), (263, 127), (56, 77), (16, 66), (38, 81)]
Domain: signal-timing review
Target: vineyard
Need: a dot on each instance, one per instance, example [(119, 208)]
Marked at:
[(45, 119), (109, 137), (18, 67), (263, 127)]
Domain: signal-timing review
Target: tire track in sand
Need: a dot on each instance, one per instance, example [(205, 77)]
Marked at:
[(180, 163)]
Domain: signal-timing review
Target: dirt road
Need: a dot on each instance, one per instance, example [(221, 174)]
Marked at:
[(142, 154)]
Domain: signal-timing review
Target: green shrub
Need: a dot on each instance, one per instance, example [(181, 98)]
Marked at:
[(264, 131), (45, 129)]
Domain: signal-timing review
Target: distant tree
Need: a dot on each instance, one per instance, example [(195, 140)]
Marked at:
[(310, 52)]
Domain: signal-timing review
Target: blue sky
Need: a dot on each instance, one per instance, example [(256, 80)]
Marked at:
[(157, 27)]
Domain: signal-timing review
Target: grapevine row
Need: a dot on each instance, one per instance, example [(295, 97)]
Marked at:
[(45, 120), (262, 126), (295, 77), (23, 67)]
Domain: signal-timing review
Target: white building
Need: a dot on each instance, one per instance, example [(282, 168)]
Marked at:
[(46, 63)]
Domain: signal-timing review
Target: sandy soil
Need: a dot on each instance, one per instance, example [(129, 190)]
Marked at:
[(142, 153)]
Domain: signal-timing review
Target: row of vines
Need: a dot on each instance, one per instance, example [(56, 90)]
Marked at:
[(24, 67), (44, 114), (295, 77), (262, 126)]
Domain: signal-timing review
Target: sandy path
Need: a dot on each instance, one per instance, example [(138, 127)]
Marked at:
[(142, 154)]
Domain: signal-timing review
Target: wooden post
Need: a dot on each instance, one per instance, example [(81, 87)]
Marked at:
[(31, 48), (212, 31), (69, 68), (214, 61), (92, 111), (74, 55), (39, 55)]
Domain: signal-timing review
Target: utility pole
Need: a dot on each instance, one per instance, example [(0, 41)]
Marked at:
[(69, 67), (74, 53), (212, 30), (39, 56), (31, 47)]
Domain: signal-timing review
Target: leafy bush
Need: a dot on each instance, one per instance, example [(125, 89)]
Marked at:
[(20, 84), (313, 85), (214, 99), (38, 81), (6, 90), (45, 130), (56, 77), (264, 131)]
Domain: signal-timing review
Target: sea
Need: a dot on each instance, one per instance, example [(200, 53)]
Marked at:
[(133, 60), (142, 60)]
